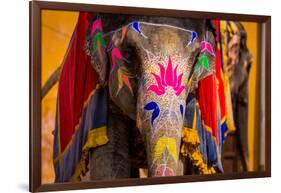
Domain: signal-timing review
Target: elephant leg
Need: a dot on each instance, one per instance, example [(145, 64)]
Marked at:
[(112, 160), (137, 151)]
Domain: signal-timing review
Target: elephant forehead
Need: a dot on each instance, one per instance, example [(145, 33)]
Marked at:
[(168, 39), (166, 33), (156, 42), (163, 42)]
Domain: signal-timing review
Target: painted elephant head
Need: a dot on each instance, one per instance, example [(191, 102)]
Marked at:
[(148, 63)]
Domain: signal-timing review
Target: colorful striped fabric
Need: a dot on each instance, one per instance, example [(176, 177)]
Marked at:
[(227, 123), (81, 109)]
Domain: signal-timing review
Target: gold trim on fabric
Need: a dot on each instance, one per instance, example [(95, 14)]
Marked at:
[(229, 112), (190, 149), (96, 137), (98, 86), (208, 128)]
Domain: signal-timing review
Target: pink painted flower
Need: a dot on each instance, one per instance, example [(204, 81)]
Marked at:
[(167, 77)]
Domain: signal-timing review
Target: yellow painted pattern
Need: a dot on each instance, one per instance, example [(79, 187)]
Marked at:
[(166, 142)]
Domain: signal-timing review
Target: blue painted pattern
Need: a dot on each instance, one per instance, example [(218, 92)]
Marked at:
[(156, 111)]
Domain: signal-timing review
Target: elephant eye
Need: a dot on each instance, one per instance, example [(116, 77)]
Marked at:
[(181, 109)]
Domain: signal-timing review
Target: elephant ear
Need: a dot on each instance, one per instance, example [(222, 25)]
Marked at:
[(95, 47), (122, 73), (204, 63)]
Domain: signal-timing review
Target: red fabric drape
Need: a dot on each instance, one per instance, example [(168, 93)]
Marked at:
[(77, 80), (207, 99)]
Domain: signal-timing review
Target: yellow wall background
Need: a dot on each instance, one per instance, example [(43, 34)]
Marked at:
[(57, 27), (252, 43)]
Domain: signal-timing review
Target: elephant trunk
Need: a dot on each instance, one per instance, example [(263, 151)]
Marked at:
[(165, 64), (161, 109), (163, 144)]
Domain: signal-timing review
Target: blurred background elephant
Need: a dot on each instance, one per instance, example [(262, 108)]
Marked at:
[(238, 60)]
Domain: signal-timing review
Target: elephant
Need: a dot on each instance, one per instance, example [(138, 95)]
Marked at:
[(238, 65), (159, 73), (152, 58)]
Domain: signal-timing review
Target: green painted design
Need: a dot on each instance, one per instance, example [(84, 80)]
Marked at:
[(98, 38), (203, 61)]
